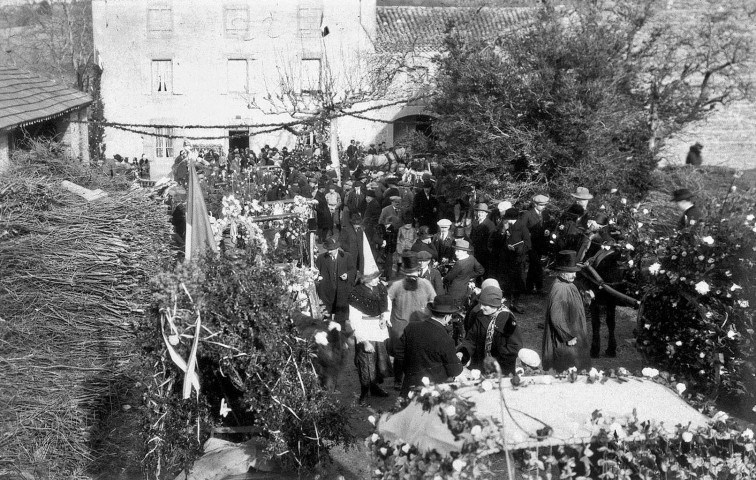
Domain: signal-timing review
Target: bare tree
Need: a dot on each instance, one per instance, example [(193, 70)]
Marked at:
[(53, 38), (339, 84)]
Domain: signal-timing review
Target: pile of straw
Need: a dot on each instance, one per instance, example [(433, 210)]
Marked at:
[(73, 286)]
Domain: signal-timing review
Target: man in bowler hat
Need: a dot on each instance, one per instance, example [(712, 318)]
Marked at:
[(426, 349), (336, 280)]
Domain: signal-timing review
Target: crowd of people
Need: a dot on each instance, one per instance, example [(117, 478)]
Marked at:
[(448, 292)]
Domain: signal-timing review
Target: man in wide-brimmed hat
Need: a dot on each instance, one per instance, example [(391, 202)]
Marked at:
[(425, 349), (539, 239), (565, 336), (691, 214), (406, 296), (465, 270), (336, 279)]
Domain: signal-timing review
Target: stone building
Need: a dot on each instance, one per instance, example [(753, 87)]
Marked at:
[(32, 106)]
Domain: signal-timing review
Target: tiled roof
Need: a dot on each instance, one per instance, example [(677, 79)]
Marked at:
[(422, 28), (27, 98)]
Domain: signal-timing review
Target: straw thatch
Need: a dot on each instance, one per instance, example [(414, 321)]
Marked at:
[(73, 286)]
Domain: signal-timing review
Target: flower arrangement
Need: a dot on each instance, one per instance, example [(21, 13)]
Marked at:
[(622, 448)]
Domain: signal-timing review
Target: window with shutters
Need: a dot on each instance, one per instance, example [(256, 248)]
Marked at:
[(238, 75), (310, 75), (163, 145), (160, 18), (162, 76), (309, 19), (236, 20)]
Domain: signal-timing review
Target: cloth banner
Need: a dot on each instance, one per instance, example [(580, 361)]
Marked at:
[(199, 233)]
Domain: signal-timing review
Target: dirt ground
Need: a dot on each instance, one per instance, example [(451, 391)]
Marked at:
[(355, 463)]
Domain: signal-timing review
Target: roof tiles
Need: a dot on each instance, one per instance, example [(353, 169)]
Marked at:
[(422, 28), (27, 98)]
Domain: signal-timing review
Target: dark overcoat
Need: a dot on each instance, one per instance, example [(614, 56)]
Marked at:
[(332, 290), (459, 276), (426, 350)]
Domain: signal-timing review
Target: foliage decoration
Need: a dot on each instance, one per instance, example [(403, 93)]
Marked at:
[(251, 360)]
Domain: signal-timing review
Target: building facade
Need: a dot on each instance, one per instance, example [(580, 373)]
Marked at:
[(219, 64)]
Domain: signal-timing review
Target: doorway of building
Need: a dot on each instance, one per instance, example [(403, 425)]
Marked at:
[(238, 139), (412, 123)]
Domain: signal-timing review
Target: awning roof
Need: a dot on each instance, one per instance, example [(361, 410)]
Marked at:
[(26, 98)]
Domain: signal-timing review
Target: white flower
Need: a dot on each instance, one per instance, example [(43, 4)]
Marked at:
[(424, 391), (708, 240), (572, 370), (593, 373), (224, 410), (687, 437), (640, 224), (406, 447), (173, 340), (702, 287), (475, 430), (623, 201), (613, 190), (435, 393), (735, 287), (645, 211), (321, 338), (678, 343), (733, 188), (747, 434), (750, 217), (486, 385), (616, 429), (654, 269), (680, 388), (334, 326), (474, 374), (458, 465), (731, 334), (743, 303), (450, 411), (371, 419), (629, 246), (602, 207), (630, 263), (411, 394), (384, 451), (720, 417), (425, 381), (375, 437), (650, 372)]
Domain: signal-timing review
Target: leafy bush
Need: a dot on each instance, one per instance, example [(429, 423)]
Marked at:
[(250, 358), (698, 285)]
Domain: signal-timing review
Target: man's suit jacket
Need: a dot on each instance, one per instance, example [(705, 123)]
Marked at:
[(426, 350), (533, 221), (351, 242), (434, 277), (444, 247), (332, 290), (460, 275)]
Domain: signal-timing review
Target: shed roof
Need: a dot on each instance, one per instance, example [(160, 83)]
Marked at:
[(422, 28), (26, 98)]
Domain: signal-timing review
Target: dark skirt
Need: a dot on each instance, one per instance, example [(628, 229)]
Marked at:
[(374, 366)]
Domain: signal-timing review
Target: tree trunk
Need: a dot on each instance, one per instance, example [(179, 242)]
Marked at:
[(335, 149)]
